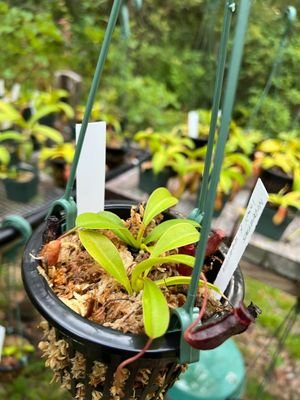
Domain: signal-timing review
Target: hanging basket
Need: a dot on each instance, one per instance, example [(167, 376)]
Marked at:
[(85, 355)]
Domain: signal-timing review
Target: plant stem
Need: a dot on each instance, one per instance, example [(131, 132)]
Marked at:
[(130, 360), (141, 234), (203, 307)]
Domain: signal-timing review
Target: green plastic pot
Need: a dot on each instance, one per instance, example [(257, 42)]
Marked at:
[(149, 181), (22, 191), (267, 228)]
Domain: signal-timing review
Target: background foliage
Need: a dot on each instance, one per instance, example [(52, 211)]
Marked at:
[(167, 64)]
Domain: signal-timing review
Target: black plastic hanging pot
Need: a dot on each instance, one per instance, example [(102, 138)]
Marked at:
[(101, 347)]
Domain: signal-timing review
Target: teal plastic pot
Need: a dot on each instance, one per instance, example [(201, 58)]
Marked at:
[(22, 191), (218, 375), (267, 228), (149, 181)]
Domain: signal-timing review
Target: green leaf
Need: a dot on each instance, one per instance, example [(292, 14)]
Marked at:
[(43, 112), (66, 109), (156, 312), (106, 254), (296, 182), (8, 113), (155, 234), (290, 199), (159, 161), (43, 132), (106, 220), (238, 159), (102, 220), (176, 236), (4, 156), (160, 200), (186, 280), (270, 146), (12, 135), (147, 264)]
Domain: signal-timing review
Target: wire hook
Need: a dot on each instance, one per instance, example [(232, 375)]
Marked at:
[(232, 6), (291, 13)]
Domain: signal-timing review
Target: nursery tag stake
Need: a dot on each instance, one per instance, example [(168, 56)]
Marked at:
[(66, 203), (193, 121), (254, 209), (2, 336), (90, 178), (211, 174)]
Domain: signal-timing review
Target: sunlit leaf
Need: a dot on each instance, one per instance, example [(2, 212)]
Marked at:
[(106, 220), (176, 236), (147, 264), (160, 200), (159, 161), (4, 156), (11, 135), (43, 112), (106, 254), (269, 146), (67, 109), (8, 113), (46, 132), (156, 314), (162, 227), (186, 280)]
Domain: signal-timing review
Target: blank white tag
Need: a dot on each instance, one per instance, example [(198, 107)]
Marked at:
[(243, 235), (15, 92), (193, 122), (90, 176), (2, 87), (2, 336)]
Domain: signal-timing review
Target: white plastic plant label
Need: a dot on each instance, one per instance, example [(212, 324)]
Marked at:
[(90, 176), (193, 122), (243, 235), (2, 337), (2, 88), (15, 92)]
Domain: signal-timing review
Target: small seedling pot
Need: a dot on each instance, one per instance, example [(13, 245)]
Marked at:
[(149, 181), (267, 228), (116, 156), (201, 141), (24, 189), (8, 372), (78, 341), (274, 180), (11, 366)]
